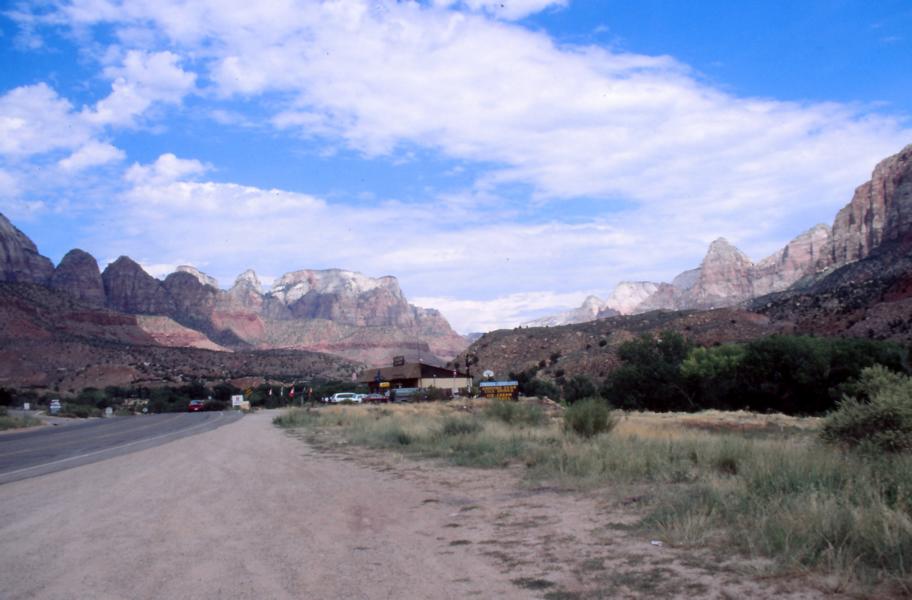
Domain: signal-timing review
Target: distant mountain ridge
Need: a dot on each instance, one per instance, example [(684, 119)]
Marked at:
[(334, 310), (854, 279), (879, 213), (725, 277)]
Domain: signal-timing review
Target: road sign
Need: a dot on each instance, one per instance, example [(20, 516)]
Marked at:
[(236, 400)]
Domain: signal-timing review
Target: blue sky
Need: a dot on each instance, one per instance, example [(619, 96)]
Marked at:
[(502, 159)]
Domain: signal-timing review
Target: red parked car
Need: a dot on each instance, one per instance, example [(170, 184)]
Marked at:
[(196, 406)]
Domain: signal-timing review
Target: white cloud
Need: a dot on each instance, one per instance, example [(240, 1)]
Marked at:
[(667, 161), (569, 121), (468, 316), (141, 80), (165, 169), (34, 120), (502, 9), (9, 185), (92, 154)]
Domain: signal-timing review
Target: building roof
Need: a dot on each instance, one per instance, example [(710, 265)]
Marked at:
[(406, 371)]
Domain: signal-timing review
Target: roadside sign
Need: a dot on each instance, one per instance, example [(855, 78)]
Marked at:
[(504, 390), (236, 400), (54, 406), (26, 406), (398, 361)]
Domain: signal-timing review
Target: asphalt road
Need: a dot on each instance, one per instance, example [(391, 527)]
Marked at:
[(49, 449)]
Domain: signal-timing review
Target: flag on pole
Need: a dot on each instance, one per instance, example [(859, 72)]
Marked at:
[(270, 390), (291, 392), (282, 391)]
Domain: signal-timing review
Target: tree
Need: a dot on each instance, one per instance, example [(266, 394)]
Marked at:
[(711, 375), (650, 376)]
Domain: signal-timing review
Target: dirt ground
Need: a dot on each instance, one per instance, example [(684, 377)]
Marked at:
[(251, 511)]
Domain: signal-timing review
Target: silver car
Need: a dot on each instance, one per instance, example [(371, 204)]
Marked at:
[(345, 397)]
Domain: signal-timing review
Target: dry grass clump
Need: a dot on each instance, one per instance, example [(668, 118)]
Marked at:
[(8, 421), (761, 484)]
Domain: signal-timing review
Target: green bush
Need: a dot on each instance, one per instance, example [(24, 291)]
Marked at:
[(589, 417), (515, 413), (577, 388), (542, 389), (879, 419), (453, 426)]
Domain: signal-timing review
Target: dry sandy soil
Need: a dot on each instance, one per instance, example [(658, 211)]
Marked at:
[(250, 511)]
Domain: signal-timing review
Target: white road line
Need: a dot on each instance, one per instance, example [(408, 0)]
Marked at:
[(63, 460)]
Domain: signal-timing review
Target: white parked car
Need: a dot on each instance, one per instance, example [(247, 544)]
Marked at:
[(345, 397)]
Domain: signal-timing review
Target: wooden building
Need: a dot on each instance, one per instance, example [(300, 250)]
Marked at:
[(414, 375)]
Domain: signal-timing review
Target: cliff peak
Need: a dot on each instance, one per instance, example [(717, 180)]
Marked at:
[(200, 276), (19, 258), (78, 275)]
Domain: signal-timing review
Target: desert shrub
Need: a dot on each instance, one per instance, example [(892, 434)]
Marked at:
[(515, 413), (650, 377), (215, 405), (224, 391), (396, 436), (436, 393), (541, 388), (9, 422), (577, 388), (94, 397), (166, 399), (453, 426), (298, 417), (879, 419), (81, 411), (589, 417)]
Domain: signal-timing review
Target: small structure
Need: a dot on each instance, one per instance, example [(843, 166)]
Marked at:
[(414, 375), (503, 390)]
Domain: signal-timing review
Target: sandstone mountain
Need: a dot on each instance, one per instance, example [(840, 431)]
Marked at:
[(864, 287), (591, 309), (725, 277), (336, 311), (854, 279), (19, 258), (52, 341), (78, 275), (880, 211)]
